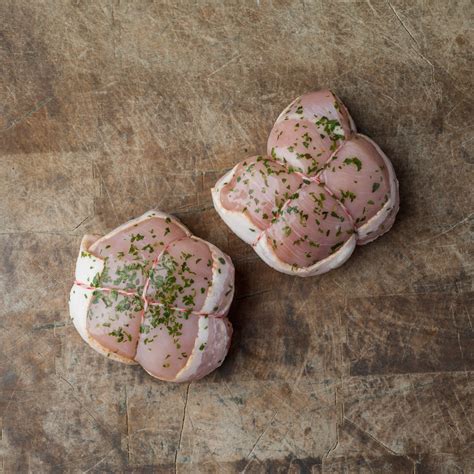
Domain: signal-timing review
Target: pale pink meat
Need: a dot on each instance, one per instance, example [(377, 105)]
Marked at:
[(145, 293), (129, 254), (359, 178), (114, 321), (312, 226), (259, 188), (308, 131), (322, 189), (188, 262), (167, 341)]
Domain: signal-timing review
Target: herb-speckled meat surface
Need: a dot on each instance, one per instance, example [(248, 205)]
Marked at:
[(322, 189), (147, 292), (308, 131)]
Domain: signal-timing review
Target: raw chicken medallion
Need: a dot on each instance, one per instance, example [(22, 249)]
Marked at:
[(151, 293), (322, 189)]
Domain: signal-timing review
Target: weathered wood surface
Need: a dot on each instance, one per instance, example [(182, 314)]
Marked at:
[(108, 109)]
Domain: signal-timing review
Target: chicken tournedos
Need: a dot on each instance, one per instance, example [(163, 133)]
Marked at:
[(321, 189), (151, 293)]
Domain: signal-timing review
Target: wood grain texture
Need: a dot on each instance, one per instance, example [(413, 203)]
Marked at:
[(108, 109)]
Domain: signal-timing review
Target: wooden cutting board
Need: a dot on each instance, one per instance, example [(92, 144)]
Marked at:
[(113, 108)]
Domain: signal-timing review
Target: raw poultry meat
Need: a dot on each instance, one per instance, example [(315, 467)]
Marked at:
[(151, 293), (321, 189)]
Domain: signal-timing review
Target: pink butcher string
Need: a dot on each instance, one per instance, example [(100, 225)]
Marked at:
[(146, 301)]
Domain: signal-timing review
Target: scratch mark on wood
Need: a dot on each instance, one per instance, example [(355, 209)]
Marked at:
[(107, 192), (377, 441), (100, 425), (145, 181), (461, 351), (449, 229), (182, 428), (445, 416), (233, 400), (53, 326), (35, 109), (251, 295), (101, 460), (463, 410), (5, 410), (338, 428), (65, 380), (80, 223), (402, 23), (127, 421), (224, 65), (417, 49), (262, 434), (26, 232), (372, 8)]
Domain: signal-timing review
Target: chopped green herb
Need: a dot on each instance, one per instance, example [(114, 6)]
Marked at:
[(120, 334), (347, 195), (354, 161)]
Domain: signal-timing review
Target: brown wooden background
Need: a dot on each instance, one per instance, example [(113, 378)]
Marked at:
[(110, 108)]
